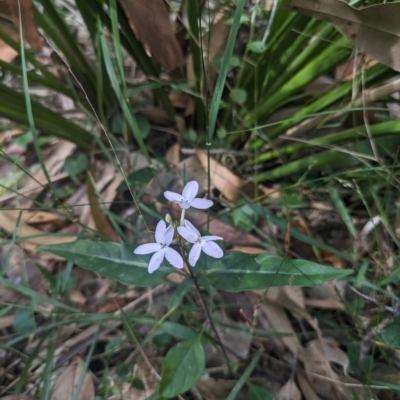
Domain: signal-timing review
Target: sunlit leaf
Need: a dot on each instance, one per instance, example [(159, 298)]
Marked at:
[(237, 272)]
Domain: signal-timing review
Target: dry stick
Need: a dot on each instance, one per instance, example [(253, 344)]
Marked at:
[(208, 315)]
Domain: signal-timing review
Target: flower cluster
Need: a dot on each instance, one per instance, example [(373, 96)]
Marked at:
[(164, 235)]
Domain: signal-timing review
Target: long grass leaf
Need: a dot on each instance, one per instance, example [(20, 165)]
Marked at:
[(219, 87)]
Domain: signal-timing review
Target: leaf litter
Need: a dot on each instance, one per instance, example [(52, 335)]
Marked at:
[(286, 316)]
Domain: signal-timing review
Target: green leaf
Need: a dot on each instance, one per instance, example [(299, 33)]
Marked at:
[(256, 47), (24, 321), (75, 166), (113, 260), (238, 96), (238, 271), (137, 178), (244, 217), (258, 393), (182, 367), (391, 333), (342, 210)]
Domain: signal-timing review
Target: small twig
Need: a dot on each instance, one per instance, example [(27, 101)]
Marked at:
[(372, 300)]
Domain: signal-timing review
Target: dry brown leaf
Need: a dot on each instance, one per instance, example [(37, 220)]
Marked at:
[(222, 178), (217, 389), (150, 23), (280, 323), (66, 383), (8, 222), (39, 217), (5, 322), (30, 32), (173, 155), (248, 249), (334, 354), (99, 216), (317, 365), (306, 388), (289, 391), (156, 115), (375, 30), (18, 397), (7, 53), (234, 338)]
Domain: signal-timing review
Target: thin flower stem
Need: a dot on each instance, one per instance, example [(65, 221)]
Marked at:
[(208, 315), (183, 217)]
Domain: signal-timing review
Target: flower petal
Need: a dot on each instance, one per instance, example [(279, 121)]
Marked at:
[(201, 204), (190, 190), (147, 248), (156, 260), (160, 231), (192, 228), (187, 234), (194, 254), (212, 249), (208, 238), (168, 236), (173, 257), (184, 204), (172, 196)]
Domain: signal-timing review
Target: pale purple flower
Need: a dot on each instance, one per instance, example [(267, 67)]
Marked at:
[(201, 243), (161, 248), (187, 198)]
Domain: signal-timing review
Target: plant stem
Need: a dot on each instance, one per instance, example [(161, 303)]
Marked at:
[(208, 315)]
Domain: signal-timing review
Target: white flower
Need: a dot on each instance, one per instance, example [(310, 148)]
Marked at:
[(201, 243), (187, 198), (161, 249)]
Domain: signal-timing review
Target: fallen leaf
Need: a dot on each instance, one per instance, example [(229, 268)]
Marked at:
[(66, 383), (279, 322), (18, 397), (7, 53), (289, 391), (234, 337), (156, 115), (317, 368), (150, 23), (29, 29), (305, 386), (334, 354), (8, 222), (374, 30), (216, 389), (223, 179)]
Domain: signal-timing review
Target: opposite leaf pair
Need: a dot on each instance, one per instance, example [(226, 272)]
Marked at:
[(164, 235)]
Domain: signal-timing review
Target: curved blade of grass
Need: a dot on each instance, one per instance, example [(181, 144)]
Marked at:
[(242, 380), (46, 120), (219, 87), (55, 27), (330, 159), (386, 128), (28, 104), (342, 210), (128, 114), (34, 296), (338, 94), (323, 63)]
